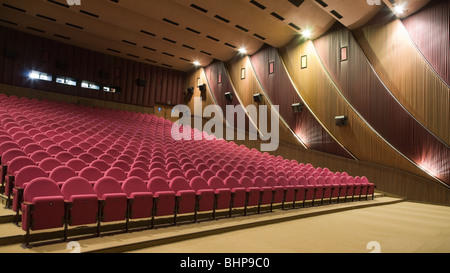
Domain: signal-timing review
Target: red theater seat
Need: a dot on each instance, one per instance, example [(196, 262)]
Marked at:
[(43, 206), (82, 202)]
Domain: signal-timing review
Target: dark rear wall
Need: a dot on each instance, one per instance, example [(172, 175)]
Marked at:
[(22, 52)]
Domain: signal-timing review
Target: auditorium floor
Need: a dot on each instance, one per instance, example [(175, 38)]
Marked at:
[(396, 226), (404, 227)]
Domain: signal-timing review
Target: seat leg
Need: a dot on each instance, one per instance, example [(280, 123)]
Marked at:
[(246, 203), (197, 201), (214, 207)]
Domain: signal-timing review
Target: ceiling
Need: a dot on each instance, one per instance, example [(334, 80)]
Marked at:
[(175, 33)]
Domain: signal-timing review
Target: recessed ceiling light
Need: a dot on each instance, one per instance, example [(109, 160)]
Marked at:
[(196, 63), (399, 9), (242, 50), (307, 33)]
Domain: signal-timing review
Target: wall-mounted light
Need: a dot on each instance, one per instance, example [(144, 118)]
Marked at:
[(228, 96), (257, 97), (297, 107), (189, 90), (341, 120)]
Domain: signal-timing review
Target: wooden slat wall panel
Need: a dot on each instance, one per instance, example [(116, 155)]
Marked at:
[(390, 180), (395, 58), (430, 30), (162, 84), (367, 94), (324, 99), (249, 86), (218, 90), (281, 92)]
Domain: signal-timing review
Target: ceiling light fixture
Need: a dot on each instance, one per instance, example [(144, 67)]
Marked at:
[(196, 63), (242, 50), (307, 33), (399, 9)]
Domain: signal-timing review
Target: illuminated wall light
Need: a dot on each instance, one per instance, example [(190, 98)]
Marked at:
[(33, 75), (196, 63), (36, 75)]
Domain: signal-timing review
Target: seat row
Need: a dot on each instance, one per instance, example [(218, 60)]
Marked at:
[(78, 202)]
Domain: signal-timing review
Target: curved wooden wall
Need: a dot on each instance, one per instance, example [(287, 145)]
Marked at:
[(430, 31), (326, 101), (280, 90), (162, 86), (373, 101), (217, 88), (247, 87), (405, 72)]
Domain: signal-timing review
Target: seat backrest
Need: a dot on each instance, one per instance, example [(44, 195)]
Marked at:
[(273, 182), (174, 173), (158, 184), (259, 182), (292, 180), (90, 173), (12, 154), (40, 155), (320, 180), (19, 162), (64, 156), (100, 164), (236, 174), (76, 164), (75, 150), (329, 180), (106, 185), (134, 184), (232, 182), (28, 173), (364, 180), (138, 172), (121, 164), (32, 147), (54, 149), (86, 157), (223, 174), (49, 164), (95, 151), (198, 183), (117, 173), (302, 181), (7, 145), (348, 179), (62, 174), (207, 174), (216, 182), (191, 174), (76, 186), (246, 182), (187, 166), (158, 172), (156, 165), (179, 183), (139, 164), (311, 180), (41, 186)]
